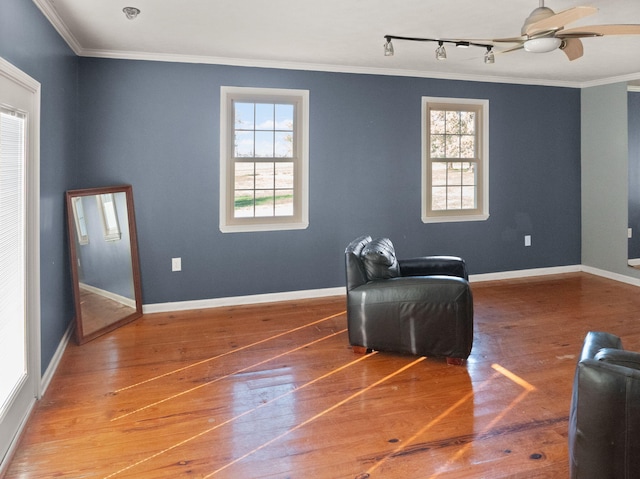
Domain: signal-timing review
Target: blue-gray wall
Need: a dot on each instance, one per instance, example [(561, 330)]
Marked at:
[(28, 41), (156, 126), (633, 112)]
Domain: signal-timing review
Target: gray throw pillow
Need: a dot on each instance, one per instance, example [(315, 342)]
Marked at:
[(379, 258)]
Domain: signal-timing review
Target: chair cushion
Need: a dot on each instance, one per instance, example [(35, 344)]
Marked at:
[(379, 258)]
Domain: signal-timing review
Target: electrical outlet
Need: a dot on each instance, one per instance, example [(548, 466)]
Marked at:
[(527, 240), (176, 264)]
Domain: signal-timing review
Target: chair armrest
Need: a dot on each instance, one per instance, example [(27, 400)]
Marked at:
[(596, 340), (434, 265), (628, 359)]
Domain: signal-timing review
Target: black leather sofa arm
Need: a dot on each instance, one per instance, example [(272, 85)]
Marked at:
[(595, 341), (620, 357), (434, 265), (604, 419)]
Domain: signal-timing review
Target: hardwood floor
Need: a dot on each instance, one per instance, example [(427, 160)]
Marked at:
[(274, 391)]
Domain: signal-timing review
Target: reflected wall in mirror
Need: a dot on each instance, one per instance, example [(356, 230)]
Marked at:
[(104, 259), (633, 111)]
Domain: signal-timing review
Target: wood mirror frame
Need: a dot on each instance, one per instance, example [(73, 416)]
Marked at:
[(105, 266)]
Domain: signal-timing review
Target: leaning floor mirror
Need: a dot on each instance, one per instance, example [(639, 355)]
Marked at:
[(104, 259)]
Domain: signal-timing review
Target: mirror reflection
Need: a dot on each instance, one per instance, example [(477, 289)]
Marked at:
[(104, 259)]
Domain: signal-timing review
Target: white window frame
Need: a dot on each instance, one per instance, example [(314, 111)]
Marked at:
[(300, 218), (442, 216)]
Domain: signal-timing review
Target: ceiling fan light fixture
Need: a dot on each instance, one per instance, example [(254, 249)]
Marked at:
[(131, 12), (542, 45), (441, 53), (388, 48)]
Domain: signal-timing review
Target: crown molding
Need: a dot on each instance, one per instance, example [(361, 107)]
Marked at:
[(253, 63), (52, 15)]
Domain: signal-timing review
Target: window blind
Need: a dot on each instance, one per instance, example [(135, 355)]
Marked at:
[(12, 254)]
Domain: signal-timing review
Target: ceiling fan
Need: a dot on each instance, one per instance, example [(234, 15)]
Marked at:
[(544, 31)]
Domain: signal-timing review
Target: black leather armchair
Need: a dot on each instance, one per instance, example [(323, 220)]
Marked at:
[(604, 420), (423, 306)]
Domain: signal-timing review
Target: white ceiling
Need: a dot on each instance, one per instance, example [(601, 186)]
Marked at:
[(347, 36)]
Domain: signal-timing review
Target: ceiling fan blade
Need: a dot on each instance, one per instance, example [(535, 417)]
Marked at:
[(572, 47), (559, 20), (498, 40), (600, 30), (512, 49), (509, 40)]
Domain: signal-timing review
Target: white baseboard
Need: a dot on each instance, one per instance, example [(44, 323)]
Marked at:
[(524, 273), (242, 300), (615, 276), (109, 295), (55, 360)]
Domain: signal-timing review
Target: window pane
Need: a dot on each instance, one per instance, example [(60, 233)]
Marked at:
[(284, 203), (454, 176), (284, 175), (264, 203), (454, 197), (284, 145), (437, 121), (467, 122), (469, 174), (452, 119), (438, 173), (467, 146), (439, 198), (265, 176), (243, 147), (453, 146), (284, 117), (243, 115), (264, 116), (469, 197), (437, 146), (243, 204), (244, 176), (264, 144)]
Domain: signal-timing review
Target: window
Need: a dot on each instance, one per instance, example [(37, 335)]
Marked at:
[(263, 159), (455, 159), (109, 217), (80, 220)]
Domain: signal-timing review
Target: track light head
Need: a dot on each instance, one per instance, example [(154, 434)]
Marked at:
[(441, 53), (388, 48), (489, 57)]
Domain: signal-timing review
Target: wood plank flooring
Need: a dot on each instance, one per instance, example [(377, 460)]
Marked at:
[(274, 391)]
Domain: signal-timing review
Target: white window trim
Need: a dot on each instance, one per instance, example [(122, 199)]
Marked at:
[(263, 224), (485, 162)]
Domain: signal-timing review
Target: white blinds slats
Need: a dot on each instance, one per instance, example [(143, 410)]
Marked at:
[(12, 254)]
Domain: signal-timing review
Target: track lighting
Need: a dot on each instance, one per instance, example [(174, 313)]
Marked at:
[(131, 12), (441, 53), (489, 58), (388, 48)]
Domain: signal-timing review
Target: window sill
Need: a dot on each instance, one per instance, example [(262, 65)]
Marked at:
[(247, 228), (454, 219)]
